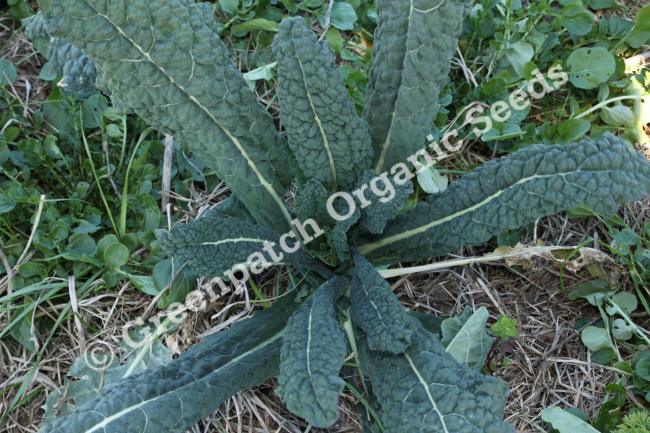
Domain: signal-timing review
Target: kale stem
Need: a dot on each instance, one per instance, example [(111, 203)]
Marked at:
[(489, 258), (605, 103)]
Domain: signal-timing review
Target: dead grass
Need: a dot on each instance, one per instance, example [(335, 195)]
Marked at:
[(549, 365), (28, 89), (633, 6)]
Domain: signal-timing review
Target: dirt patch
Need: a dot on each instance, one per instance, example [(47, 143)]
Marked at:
[(633, 6)]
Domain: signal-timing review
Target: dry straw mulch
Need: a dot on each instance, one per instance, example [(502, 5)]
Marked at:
[(548, 364)]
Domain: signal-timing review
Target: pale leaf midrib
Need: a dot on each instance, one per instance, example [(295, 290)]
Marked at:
[(311, 309), (326, 143), (140, 405), (364, 249), (425, 385), (265, 183), (467, 335), (234, 241), (387, 143)]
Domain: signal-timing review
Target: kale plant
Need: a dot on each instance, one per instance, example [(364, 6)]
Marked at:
[(163, 60)]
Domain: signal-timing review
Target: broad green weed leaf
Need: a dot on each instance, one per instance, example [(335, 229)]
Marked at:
[(505, 328), (313, 352), (426, 390), (93, 372), (7, 203), (466, 338), (621, 330), (145, 284), (23, 330), (566, 422), (577, 19), (343, 16), (335, 40), (624, 302), (618, 115), (589, 67), (602, 4), (573, 129), (642, 366), (151, 61), (619, 26), (593, 291), (262, 73), (175, 282), (514, 191), (331, 144), (641, 31), (170, 398), (246, 27), (116, 255), (595, 338), (7, 72), (81, 245), (377, 311), (229, 6), (518, 54), (432, 182), (414, 42)]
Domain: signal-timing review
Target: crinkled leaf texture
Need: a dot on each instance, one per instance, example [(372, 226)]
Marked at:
[(169, 399), (78, 73), (310, 202), (337, 237), (313, 352), (425, 390), (165, 61), (466, 339), (414, 43), (514, 191), (330, 142), (36, 31), (90, 374), (216, 242), (377, 311), (383, 209)]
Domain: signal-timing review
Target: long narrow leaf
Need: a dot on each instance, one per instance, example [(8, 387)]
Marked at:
[(414, 42), (169, 399), (426, 390), (330, 142), (313, 352), (514, 191), (165, 61)]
